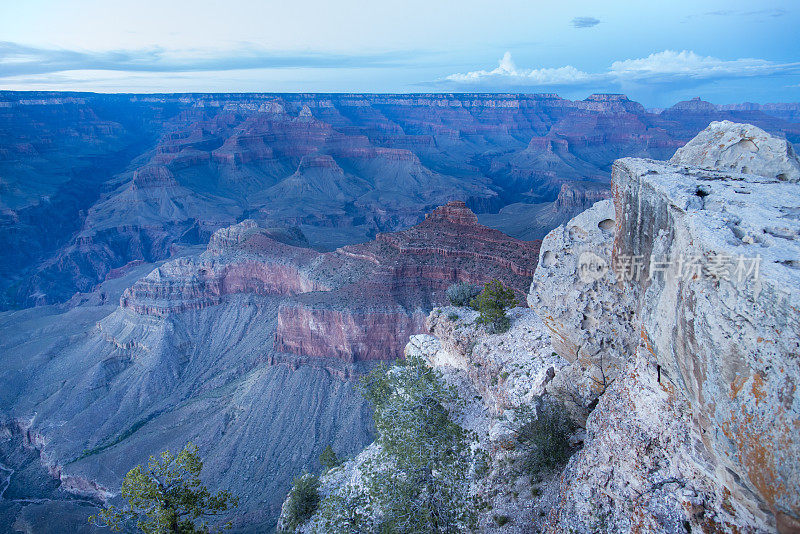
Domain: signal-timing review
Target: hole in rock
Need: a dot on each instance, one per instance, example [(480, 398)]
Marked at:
[(746, 145), (702, 192), (606, 224), (548, 259)]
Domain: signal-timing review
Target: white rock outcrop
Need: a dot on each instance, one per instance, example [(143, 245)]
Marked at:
[(576, 293), (740, 148), (719, 300), (702, 428), (671, 318)]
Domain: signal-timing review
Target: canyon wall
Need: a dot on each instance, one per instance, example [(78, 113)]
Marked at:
[(690, 299), (93, 182)]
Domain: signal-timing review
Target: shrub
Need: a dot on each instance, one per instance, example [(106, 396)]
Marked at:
[(501, 520), (492, 304), (328, 458), (427, 489), (462, 293), (453, 317), (346, 511), (545, 439), (303, 501)]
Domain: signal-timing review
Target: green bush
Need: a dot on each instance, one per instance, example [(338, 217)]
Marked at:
[(545, 439), (328, 458), (302, 502), (501, 520), (492, 304), (427, 489), (462, 293)]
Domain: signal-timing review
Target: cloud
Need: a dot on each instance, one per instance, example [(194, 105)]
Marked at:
[(508, 72), (670, 65), (769, 12), (664, 67), (17, 59), (585, 22)]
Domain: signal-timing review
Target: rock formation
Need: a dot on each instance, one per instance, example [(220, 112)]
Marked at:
[(671, 327), (706, 256), (151, 175), (249, 349), (740, 148)]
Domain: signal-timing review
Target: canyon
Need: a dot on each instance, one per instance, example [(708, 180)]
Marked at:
[(91, 182), (249, 349), (222, 267)]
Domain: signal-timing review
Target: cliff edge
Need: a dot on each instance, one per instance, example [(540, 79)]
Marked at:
[(666, 324)]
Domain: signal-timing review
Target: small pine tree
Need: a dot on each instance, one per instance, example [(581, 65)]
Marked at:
[(167, 497), (492, 304), (545, 439), (328, 458), (302, 502), (426, 490)]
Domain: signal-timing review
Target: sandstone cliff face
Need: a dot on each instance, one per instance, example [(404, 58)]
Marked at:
[(575, 292), (723, 334), (707, 376)]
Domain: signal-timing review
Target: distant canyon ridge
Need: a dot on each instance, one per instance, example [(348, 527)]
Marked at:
[(90, 183)]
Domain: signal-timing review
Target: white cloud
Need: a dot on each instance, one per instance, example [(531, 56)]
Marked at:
[(508, 72), (668, 66)]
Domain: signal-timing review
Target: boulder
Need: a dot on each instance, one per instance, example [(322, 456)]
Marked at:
[(744, 148)]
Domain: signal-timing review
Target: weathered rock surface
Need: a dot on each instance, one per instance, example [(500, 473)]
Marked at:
[(725, 335), (576, 293), (700, 425), (740, 148)]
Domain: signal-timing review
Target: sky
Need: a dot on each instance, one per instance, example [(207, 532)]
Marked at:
[(657, 52)]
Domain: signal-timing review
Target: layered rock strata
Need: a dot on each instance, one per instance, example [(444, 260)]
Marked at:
[(360, 302)]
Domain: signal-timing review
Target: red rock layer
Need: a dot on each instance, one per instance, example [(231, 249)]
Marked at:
[(349, 335), (357, 303)]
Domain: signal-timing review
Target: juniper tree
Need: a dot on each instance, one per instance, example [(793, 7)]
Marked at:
[(167, 497), (421, 482), (328, 458), (492, 304), (302, 502)]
